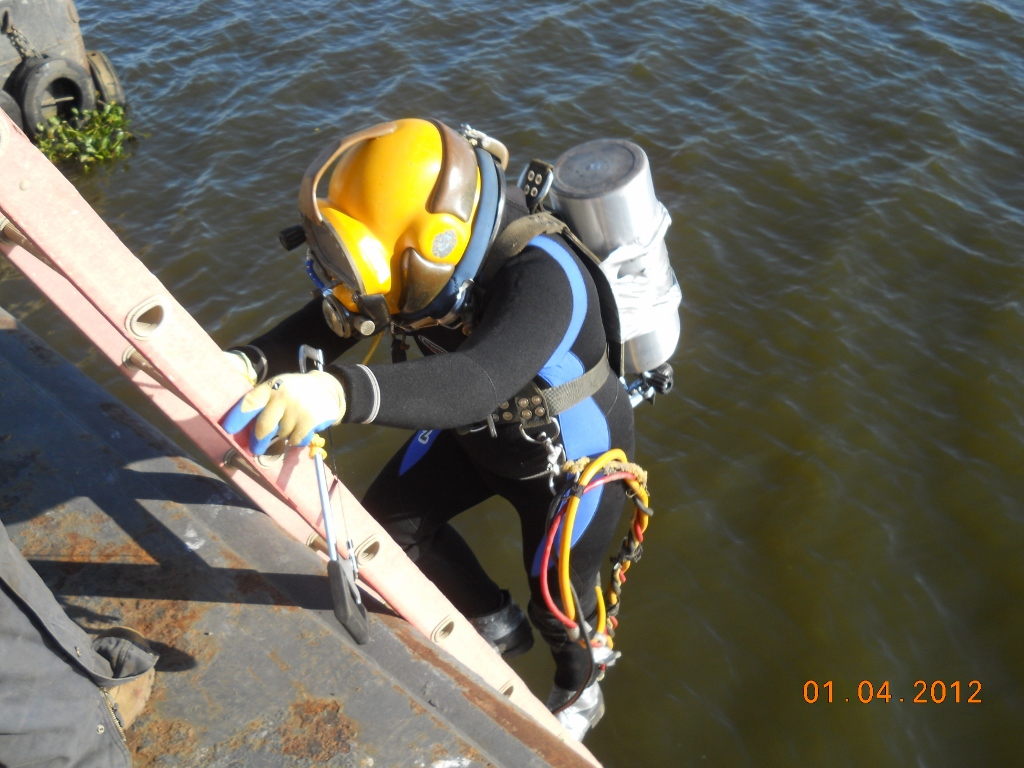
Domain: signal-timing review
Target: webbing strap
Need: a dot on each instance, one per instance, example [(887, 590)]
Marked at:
[(533, 407), (565, 396), (514, 239)]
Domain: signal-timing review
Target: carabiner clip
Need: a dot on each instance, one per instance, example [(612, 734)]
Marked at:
[(555, 454)]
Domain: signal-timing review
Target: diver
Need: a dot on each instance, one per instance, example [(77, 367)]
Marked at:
[(417, 236)]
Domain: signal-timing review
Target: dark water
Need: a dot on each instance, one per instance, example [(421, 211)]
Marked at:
[(839, 477)]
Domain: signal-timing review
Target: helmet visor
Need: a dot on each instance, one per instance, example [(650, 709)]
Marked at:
[(351, 253), (336, 251), (331, 257)]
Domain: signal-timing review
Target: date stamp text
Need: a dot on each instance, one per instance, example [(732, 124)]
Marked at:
[(938, 692)]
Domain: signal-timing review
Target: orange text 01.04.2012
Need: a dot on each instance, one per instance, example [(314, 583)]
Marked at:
[(936, 693)]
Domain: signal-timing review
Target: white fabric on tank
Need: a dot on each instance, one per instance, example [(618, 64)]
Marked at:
[(645, 287)]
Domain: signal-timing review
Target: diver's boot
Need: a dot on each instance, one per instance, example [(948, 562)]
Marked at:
[(506, 630), (128, 651), (130, 699), (583, 714)]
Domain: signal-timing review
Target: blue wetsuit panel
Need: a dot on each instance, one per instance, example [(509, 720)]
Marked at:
[(417, 449), (563, 366), (584, 427)]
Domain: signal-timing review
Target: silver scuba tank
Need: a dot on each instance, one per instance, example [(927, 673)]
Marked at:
[(604, 191)]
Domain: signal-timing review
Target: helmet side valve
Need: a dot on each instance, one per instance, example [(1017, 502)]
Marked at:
[(348, 604), (292, 237)]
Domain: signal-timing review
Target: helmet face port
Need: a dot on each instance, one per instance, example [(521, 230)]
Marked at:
[(398, 214)]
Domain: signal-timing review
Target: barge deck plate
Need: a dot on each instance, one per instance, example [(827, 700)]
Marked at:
[(254, 668)]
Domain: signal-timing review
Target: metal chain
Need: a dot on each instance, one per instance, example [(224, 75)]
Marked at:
[(25, 49)]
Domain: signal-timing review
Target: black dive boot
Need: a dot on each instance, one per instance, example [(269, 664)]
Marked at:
[(578, 706), (506, 630)]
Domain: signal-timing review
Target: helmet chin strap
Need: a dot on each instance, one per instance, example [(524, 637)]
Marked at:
[(375, 307)]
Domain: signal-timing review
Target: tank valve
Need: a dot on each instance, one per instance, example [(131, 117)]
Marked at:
[(661, 378), (658, 381)]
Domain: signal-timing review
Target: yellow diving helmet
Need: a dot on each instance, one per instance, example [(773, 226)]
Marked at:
[(411, 208)]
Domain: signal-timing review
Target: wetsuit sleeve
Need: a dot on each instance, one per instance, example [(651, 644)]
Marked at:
[(280, 345), (527, 316)]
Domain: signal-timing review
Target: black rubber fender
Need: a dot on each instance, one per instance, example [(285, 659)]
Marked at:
[(10, 106), (108, 85), (17, 77), (51, 87)]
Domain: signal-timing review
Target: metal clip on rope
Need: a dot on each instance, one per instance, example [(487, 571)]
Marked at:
[(554, 453)]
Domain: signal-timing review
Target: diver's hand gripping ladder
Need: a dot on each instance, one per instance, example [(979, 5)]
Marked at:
[(82, 266)]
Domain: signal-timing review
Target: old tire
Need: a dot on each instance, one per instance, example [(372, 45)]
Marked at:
[(108, 86), (17, 78), (11, 108), (52, 88)]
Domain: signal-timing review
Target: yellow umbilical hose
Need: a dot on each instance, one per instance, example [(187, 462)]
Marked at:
[(601, 613), (612, 463), (564, 588), (373, 347)]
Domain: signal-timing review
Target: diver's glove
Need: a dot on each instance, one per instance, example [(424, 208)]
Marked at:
[(294, 406)]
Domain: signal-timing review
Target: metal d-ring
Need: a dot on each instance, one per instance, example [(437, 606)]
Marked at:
[(544, 439)]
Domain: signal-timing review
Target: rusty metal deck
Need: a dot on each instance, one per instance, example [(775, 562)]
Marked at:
[(254, 669)]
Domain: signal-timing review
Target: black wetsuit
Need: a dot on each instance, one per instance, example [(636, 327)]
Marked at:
[(541, 320)]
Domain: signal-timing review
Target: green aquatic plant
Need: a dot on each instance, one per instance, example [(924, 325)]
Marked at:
[(90, 137)]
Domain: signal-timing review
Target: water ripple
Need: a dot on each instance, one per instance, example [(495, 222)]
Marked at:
[(838, 477)]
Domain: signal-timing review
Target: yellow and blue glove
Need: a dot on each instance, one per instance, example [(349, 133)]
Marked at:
[(294, 406)]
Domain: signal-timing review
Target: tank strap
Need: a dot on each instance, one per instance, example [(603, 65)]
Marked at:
[(563, 397), (513, 239)]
